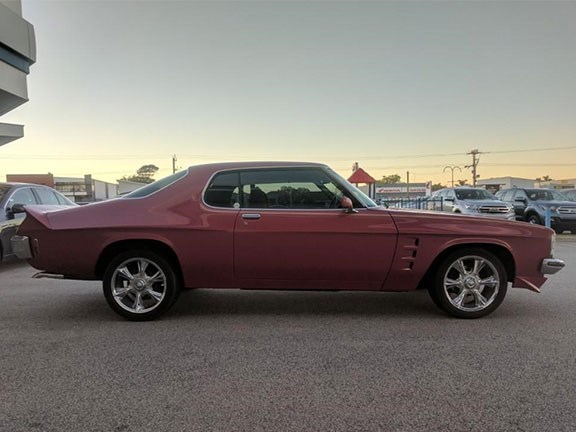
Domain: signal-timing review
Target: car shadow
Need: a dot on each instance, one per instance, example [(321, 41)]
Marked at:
[(204, 302)]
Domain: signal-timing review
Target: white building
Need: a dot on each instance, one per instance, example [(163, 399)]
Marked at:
[(498, 183), (17, 53)]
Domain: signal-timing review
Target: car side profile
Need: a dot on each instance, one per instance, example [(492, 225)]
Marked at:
[(531, 206), (279, 225), (470, 201), (12, 197)]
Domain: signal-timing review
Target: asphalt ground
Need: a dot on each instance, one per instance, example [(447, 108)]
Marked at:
[(233, 360)]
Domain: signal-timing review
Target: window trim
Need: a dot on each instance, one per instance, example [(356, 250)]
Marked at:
[(323, 168)]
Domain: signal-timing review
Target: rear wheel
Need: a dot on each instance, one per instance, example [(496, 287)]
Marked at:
[(470, 283), (140, 285)]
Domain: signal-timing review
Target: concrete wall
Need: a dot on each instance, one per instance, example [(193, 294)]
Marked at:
[(17, 54)]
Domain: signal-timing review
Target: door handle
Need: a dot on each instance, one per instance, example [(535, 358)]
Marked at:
[(251, 216)]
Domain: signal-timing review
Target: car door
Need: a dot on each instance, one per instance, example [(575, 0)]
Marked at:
[(11, 222), (290, 233), (449, 200)]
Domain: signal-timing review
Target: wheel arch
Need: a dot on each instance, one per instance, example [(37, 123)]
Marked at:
[(501, 252), (159, 247)]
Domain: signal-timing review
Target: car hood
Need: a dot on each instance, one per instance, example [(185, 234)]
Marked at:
[(555, 203)]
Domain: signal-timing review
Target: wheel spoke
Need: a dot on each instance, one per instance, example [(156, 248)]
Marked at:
[(155, 295), (137, 305), (142, 265), (158, 277), (459, 299), (449, 283), (478, 266), (480, 299), (120, 292), (492, 281), (126, 273), (461, 268)]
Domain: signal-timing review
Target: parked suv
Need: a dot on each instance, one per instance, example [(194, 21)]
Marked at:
[(12, 197), (531, 204), (470, 201), (570, 194)]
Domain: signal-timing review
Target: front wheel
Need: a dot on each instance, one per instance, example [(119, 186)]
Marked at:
[(533, 219), (140, 285), (469, 283)]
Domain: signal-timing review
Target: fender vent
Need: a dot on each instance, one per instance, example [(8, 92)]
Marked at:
[(409, 251)]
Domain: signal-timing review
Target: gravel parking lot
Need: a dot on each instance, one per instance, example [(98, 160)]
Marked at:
[(285, 361)]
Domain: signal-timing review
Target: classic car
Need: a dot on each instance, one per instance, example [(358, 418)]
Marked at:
[(12, 197), (279, 225)]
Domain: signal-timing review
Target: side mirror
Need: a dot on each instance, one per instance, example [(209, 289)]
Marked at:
[(449, 199), (520, 200), (346, 204), (15, 209)]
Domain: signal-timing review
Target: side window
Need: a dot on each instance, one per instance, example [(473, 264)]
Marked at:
[(289, 188), (520, 194), (46, 196), (450, 194), (22, 196), (62, 199), (223, 190)]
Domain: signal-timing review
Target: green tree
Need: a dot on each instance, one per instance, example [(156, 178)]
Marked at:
[(390, 179), (143, 174), (437, 186)]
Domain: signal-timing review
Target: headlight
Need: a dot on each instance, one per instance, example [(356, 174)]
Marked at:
[(470, 206), (552, 208)]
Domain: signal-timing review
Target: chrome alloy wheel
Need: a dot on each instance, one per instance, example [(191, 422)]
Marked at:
[(138, 285), (471, 283)]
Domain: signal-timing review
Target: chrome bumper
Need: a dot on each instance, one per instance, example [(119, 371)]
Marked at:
[(551, 265), (21, 247)]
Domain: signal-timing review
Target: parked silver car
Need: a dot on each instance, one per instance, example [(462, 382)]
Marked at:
[(12, 197), (471, 201)]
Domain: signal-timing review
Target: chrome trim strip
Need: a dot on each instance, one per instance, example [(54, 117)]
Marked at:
[(551, 265)]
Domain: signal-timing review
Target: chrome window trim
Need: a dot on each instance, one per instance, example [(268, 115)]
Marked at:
[(322, 167)]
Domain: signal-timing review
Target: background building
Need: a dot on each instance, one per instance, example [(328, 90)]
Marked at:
[(78, 189), (17, 53), (495, 184)]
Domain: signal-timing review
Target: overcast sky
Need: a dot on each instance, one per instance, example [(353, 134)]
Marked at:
[(391, 85)]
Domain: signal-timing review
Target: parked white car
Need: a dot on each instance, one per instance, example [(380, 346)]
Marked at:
[(471, 201)]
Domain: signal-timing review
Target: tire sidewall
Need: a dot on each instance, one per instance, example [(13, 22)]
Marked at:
[(172, 284), (440, 297)]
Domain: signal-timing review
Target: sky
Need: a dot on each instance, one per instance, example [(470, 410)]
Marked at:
[(395, 86)]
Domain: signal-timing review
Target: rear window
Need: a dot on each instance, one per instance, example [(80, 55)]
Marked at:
[(156, 186)]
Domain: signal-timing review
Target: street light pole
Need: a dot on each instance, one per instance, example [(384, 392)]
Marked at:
[(452, 168)]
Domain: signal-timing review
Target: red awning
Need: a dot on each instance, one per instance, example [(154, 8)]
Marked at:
[(361, 176)]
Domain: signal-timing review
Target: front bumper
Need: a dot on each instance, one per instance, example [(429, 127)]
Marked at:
[(551, 265), (21, 247)]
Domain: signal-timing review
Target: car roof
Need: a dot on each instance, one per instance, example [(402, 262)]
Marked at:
[(17, 184), (257, 164)]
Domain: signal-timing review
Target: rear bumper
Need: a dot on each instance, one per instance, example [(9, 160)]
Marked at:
[(551, 265), (21, 247)]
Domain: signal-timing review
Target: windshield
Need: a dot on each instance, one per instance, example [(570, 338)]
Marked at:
[(357, 193), (545, 195), (474, 194)]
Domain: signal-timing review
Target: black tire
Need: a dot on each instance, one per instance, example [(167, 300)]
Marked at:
[(140, 285), (467, 296), (534, 219)]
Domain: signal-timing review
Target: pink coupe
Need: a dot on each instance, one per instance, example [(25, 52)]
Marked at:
[(279, 225)]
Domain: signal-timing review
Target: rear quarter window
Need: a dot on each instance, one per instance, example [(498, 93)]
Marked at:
[(156, 186)]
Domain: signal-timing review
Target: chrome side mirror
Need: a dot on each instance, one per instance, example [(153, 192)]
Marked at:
[(346, 204)]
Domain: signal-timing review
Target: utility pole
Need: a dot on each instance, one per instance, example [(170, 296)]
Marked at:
[(408, 184), (452, 168), (174, 164), (475, 161)]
